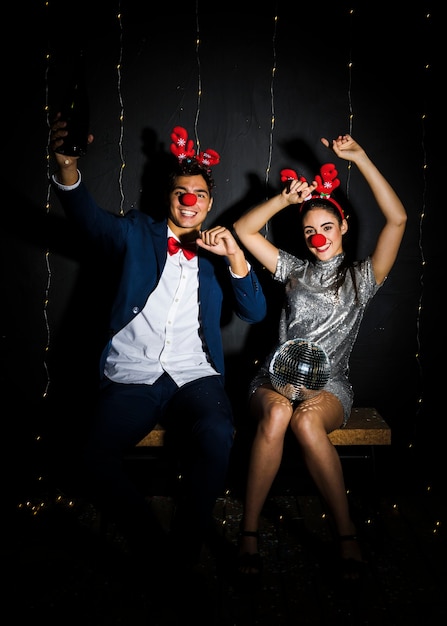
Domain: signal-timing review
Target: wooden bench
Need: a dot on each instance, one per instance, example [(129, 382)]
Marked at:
[(155, 438), (364, 432), (365, 427)]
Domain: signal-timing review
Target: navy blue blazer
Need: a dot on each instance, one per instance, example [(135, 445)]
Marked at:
[(141, 244)]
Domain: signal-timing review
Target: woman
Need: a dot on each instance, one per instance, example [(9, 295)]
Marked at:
[(325, 302)]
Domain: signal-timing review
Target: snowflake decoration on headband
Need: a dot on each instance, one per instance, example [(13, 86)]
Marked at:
[(326, 180), (183, 149), (181, 146)]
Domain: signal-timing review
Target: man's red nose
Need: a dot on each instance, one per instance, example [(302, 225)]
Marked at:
[(188, 199)]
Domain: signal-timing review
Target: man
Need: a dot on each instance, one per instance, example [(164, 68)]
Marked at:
[(164, 361)]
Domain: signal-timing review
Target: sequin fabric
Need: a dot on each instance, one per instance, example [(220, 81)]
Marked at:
[(314, 309)]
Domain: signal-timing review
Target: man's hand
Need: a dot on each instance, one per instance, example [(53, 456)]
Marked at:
[(219, 240), (68, 165)]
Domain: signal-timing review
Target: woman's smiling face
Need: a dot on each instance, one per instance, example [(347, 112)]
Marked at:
[(319, 221)]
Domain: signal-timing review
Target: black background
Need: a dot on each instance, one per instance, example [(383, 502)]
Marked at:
[(260, 86)]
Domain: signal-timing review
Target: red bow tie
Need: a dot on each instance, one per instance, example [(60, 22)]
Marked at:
[(189, 249)]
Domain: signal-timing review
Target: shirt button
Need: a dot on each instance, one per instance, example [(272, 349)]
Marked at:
[(135, 310)]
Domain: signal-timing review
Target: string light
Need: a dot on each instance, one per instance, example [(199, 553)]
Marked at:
[(350, 107), (272, 102), (272, 112), (424, 116), (199, 78), (121, 116), (47, 211), (29, 505)]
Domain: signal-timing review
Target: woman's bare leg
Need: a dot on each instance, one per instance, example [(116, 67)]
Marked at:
[(273, 412), (310, 423)]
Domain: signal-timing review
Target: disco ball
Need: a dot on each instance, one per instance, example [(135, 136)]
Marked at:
[(299, 368)]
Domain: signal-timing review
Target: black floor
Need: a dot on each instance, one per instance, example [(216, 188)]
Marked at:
[(62, 567)]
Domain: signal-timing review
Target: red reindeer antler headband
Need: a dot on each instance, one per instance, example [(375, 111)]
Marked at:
[(327, 182), (183, 149)]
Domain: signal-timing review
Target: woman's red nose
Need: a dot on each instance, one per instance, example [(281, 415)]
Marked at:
[(317, 240), (188, 199)]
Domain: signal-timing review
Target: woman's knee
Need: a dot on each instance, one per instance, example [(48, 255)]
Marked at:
[(316, 417), (274, 419), (304, 425)]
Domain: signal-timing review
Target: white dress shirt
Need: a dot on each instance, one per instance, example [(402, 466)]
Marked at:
[(164, 336)]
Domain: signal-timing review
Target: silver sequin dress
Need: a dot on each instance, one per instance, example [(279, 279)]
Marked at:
[(315, 310)]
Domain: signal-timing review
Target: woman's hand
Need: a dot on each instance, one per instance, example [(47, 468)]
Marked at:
[(297, 191), (345, 147)]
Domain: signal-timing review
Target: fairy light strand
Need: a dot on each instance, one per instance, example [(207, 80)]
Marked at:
[(349, 96), (425, 167), (272, 111), (121, 117), (199, 78), (47, 211), (272, 102), (30, 505), (421, 278)]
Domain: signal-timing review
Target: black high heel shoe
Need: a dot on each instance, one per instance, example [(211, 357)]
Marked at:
[(351, 569), (248, 564)]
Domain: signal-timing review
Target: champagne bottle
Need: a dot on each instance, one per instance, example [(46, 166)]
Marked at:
[(75, 111)]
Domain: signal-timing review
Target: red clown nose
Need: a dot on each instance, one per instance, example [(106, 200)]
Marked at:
[(317, 241), (188, 199)]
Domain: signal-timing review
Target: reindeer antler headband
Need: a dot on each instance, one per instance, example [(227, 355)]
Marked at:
[(327, 182), (183, 149)]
